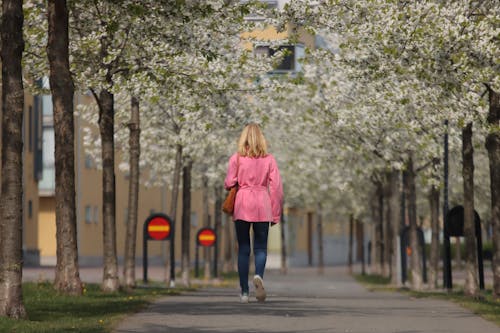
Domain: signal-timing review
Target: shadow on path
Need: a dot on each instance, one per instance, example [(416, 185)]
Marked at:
[(305, 302)]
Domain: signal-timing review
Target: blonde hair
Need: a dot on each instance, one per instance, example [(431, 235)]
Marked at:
[(252, 142)]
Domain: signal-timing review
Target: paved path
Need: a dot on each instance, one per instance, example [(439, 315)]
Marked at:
[(302, 301)]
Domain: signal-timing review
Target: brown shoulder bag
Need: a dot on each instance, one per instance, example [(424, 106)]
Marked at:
[(228, 204)]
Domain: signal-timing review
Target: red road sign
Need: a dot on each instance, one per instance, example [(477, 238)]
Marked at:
[(206, 237), (159, 228)]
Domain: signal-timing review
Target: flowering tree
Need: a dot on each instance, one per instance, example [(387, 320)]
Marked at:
[(182, 84), (409, 59)]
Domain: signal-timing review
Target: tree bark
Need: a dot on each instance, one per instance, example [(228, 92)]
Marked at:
[(283, 266), (374, 268), (351, 240), (206, 223), (360, 238), (415, 256), (493, 147), (321, 255), (310, 238), (380, 228), (458, 253), (387, 233), (376, 248), (228, 265), (393, 215), (133, 194), (67, 277), (372, 249), (186, 222), (471, 280), (169, 280), (11, 210), (434, 255), (106, 126), (217, 227)]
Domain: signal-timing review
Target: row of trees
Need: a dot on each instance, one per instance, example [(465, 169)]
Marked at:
[(388, 77), (370, 103), (181, 66)]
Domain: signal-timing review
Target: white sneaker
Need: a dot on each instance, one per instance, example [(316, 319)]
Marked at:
[(244, 298), (260, 292)]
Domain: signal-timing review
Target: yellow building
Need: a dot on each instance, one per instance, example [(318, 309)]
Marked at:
[(89, 203), (31, 175), (88, 199)]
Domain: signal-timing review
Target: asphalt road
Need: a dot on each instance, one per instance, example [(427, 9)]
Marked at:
[(303, 301)]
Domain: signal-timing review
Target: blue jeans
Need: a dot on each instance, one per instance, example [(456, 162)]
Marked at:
[(260, 232)]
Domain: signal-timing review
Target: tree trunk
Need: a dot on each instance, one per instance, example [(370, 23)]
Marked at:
[(434, 256), (372, 251), (351, 240), (387, 233), (11, 209), (67, 277), (394, 216), (360, 239), (321, 255), (471, 281), (133, 193), (170, 280), (415, 261), (310, 238), (380, 228), (217, 227), (206, 223), (284, 266), (376, 244), (493, 146), (458, 253), (186, 221), (230, 248), (106, 126)]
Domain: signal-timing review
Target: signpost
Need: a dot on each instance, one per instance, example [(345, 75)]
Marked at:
[(454, 227), (205, 237), (157, 227)]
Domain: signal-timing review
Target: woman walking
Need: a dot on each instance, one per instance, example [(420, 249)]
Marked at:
[(258, 203)]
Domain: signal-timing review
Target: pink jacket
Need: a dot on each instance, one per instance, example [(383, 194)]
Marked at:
[(260, 194)]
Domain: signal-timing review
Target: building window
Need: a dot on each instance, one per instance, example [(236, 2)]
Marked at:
[(30, 209), (96, 214), (37, 138), (194, 219), (125, 215), (89, 162), (88, 214), (291, 56), (151, 211), (47, 184)]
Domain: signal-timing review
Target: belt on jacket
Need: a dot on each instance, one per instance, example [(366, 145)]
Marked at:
[(253, 187)]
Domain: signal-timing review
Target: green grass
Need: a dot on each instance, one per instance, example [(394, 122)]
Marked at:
[(232, 276), (94, 312), (374, 282), (484, 306)]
